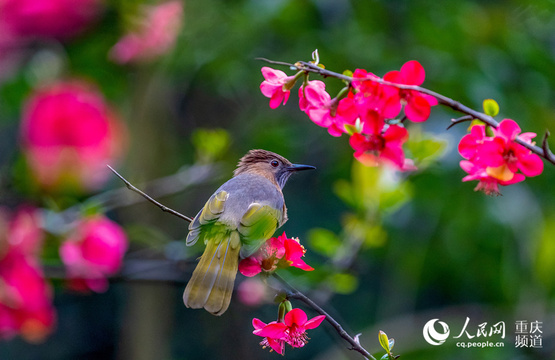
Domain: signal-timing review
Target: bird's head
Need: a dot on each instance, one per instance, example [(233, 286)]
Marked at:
[(270, 165)]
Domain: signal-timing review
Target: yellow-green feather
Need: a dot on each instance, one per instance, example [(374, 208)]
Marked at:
[(211, 284)]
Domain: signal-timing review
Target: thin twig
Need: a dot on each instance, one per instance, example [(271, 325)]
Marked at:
[(459, 120), (143, 194), (442, 99), (296, 294)]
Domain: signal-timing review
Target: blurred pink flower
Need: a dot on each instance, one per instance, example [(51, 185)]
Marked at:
[(25, 297), (154, 36), (48, 18), (252, 292), (69, 134), (93, 251)]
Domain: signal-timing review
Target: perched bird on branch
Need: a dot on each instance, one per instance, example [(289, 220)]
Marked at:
[(237, 219)]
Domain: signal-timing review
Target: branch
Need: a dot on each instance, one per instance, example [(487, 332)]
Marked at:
[(442, 99), (148, 198), (293, 293)]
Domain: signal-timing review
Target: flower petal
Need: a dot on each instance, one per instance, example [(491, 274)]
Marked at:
[(258, 324), (250, 266), (275, 331), (418, 109), (413, 73), (530, 165), (508, 129), (314, 322), (273, 75), (295, 317)]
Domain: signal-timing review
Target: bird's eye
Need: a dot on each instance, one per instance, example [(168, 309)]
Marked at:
[(274, 163)]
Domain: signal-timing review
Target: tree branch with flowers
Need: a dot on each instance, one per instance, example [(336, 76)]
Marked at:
[(372, 111)]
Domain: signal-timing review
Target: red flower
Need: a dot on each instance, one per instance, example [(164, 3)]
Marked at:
[(279, 252), (93, 251), (497, 160), (292, 330), (418, 105), (158, 28), (69, 135), (276, 344), (380, 146), (372, 96), (503, 155), (276, 86), (25, 297)]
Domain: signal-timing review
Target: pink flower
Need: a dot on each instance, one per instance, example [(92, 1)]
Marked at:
[(279, 252), (93, 251), (50, 18), (504, 156), (292, 330), (378, 146), (418, 105), (276, 344), (154, 36), (69, 135), (25, 297), (276, 86), (497, 160), (321, 108)]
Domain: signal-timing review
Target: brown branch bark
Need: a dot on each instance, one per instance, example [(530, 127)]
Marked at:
[(293, 293)]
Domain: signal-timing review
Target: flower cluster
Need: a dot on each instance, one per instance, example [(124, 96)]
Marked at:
[(92, 251), (372, 111), (366, 110), (25, 296), (291, 330), (498, 159), (277, 252)]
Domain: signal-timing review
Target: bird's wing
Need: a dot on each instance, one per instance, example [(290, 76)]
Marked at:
[(257, 225), (210, 213)]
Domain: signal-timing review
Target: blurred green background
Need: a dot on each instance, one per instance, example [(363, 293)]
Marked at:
[(391, 251)]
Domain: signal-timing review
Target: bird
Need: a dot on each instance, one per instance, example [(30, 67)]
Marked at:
[(236, 220)]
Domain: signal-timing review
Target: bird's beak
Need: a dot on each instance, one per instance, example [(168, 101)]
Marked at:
[(299, 167)]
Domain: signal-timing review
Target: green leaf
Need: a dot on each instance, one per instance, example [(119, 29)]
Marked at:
[(348, 73), (384, 341), (323, 241), (491, 107)]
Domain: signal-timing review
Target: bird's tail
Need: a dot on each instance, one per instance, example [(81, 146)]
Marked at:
[(212, 282)]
